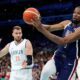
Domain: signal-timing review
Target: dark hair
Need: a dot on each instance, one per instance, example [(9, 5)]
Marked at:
[(17, 28), (78, 7)]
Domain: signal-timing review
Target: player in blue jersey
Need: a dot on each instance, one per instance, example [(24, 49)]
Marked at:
[(64, 61)]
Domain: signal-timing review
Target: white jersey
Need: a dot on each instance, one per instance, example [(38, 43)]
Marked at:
[(18, 55)]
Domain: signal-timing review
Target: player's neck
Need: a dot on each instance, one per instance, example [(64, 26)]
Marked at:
[(76, 23), (18, 42)]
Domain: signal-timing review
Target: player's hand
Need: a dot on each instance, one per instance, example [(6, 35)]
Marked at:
[(24, 64), (37, 24)]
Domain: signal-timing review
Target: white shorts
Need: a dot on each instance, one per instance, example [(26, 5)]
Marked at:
[(48, 70), (23, 74), (78, 69)]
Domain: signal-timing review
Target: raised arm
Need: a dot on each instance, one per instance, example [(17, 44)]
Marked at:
[(54, 38), (60, 40), (53, 27), (58, 26), (4, 51)]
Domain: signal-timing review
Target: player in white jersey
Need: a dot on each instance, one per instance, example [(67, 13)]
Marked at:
[(21, 52)]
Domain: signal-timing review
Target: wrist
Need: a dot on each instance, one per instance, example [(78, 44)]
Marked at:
[(42, 30)]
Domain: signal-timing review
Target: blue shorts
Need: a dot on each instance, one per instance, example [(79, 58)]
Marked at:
[(65, 67)]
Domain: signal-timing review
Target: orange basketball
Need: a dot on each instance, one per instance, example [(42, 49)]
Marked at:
[(30, 14)]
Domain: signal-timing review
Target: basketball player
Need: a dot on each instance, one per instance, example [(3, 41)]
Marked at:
[(21, 52), (65, 57)]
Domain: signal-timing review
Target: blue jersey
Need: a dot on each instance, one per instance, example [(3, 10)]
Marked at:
[(69, 50), (66, 56)]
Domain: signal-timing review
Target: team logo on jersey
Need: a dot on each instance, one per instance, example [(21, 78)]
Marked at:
[(17, 52)]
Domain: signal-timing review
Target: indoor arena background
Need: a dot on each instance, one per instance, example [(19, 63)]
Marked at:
[(52, 11)]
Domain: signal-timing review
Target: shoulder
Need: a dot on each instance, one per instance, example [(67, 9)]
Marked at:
[(65, 22), (7, 46), (10, 42), (27, 40)]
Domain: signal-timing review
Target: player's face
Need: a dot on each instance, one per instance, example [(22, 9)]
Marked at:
[(17, 34), (76, 14)]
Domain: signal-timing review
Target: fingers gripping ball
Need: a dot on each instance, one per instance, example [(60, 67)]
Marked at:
[(29, 15)]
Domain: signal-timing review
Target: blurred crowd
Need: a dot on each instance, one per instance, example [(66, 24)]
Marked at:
[(5, 68), (42, 53), (40, 58)]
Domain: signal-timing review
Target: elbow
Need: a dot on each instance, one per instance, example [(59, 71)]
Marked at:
[(63, 41)]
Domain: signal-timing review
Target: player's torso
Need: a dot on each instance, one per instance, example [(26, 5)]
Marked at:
[(69, 50), (17, 53)]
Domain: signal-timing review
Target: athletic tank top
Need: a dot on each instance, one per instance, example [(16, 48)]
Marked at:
[(17, 53), (69, 50)]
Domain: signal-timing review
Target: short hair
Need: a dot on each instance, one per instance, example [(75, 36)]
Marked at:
[(17, 28), (78, 7)]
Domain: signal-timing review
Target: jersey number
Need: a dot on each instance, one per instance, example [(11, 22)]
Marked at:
[(17, 58)]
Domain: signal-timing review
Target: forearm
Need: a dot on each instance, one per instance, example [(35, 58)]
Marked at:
[(29, 53), (2, 54), (29, 58), (58, 26), (52, 37), (61, 40), (4, 51), (51, 28), (47, 27)]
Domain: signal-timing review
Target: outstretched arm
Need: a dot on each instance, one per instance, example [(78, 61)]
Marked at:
[(59, 40), (4, 51), (53, 27)]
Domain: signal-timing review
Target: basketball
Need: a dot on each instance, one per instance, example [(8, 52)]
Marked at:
[(29, 14)]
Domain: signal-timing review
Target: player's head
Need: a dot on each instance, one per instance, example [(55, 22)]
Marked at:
[(17, 33), (76, 14)]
